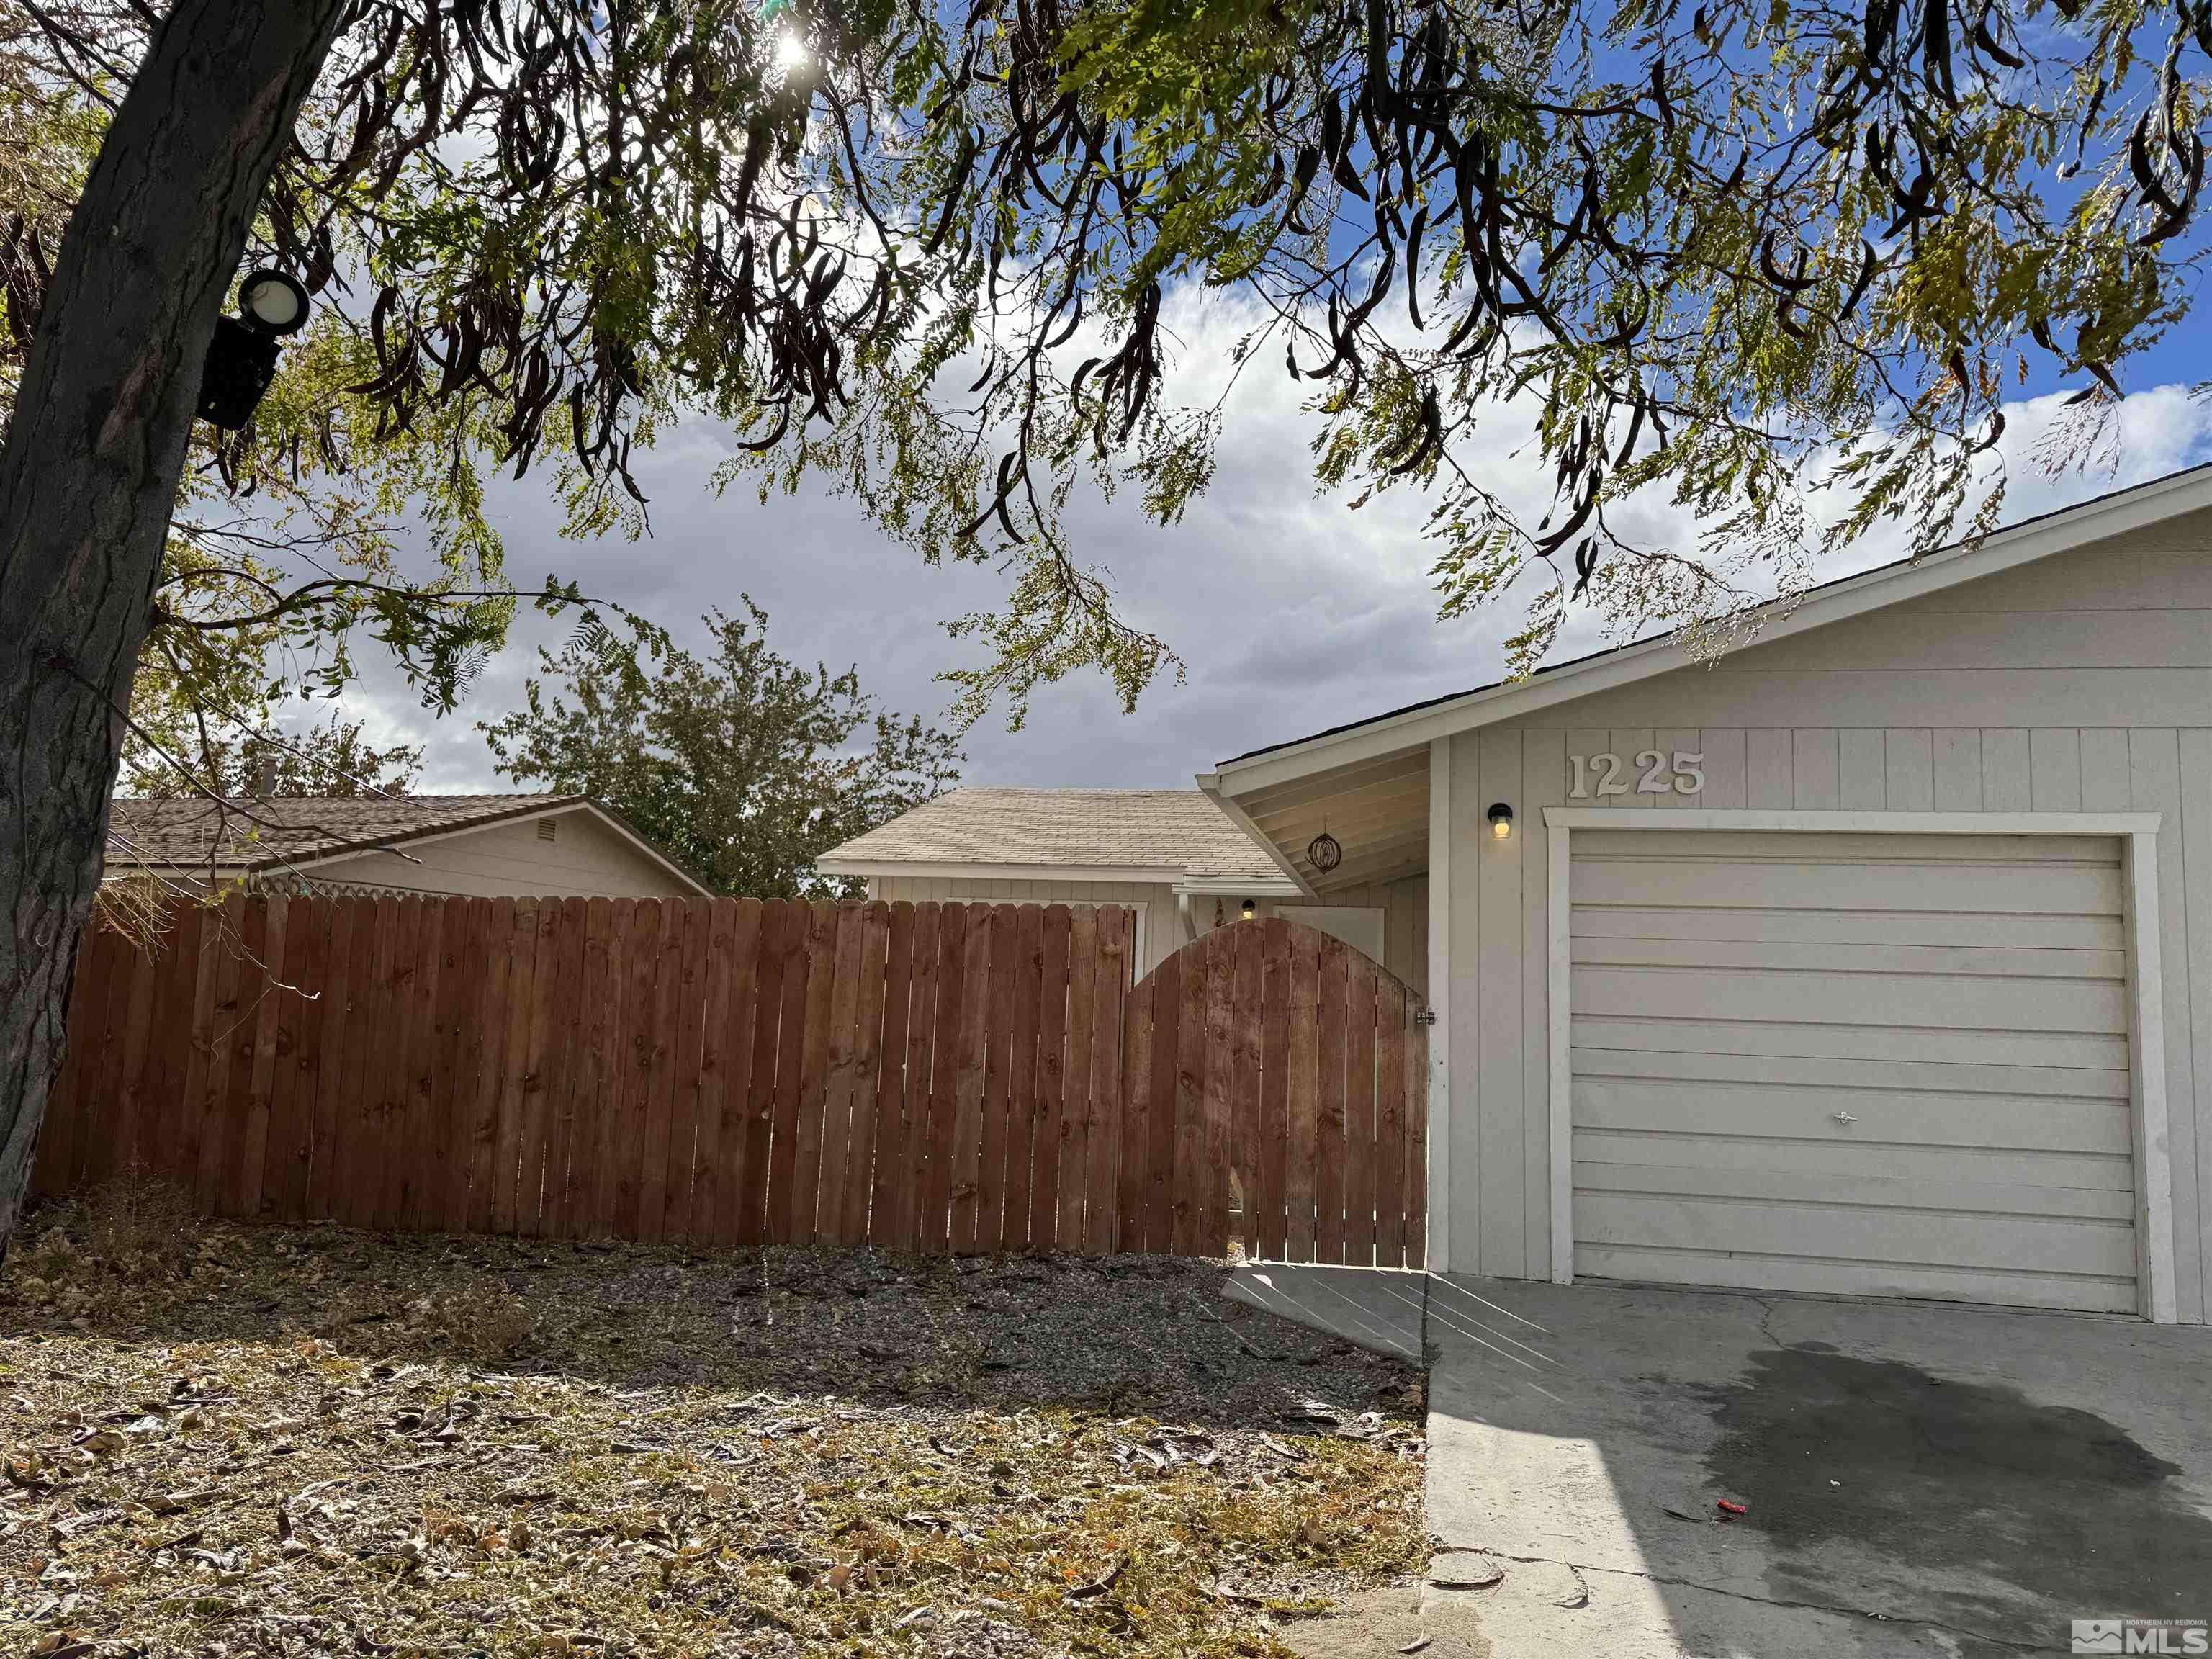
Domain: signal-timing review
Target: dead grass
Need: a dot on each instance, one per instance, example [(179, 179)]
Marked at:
[(267, 1441)]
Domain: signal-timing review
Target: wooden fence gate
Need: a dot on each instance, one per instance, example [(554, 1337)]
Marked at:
[(919, 1077), (1284, 1076)]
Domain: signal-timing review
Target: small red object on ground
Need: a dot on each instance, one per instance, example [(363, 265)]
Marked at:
[(1732, 1507)]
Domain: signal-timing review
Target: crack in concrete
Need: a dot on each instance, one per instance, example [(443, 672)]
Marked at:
[(1766, 1312), (1579, 1568)]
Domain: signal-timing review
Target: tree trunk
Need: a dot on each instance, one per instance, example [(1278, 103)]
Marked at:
[(90, 473)]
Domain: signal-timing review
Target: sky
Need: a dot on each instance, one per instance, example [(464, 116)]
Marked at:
[(1291, 612)]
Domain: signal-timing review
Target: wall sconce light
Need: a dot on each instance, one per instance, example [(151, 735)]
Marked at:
[(1251, 908), (1501, 820), (242, 358)]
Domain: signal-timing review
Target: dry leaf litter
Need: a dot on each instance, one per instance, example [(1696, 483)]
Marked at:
[(228, 1440)]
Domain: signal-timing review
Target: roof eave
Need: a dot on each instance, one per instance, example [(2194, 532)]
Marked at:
[(950, 870)]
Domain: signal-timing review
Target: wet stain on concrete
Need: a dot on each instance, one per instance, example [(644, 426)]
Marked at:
[(1957, 1481)]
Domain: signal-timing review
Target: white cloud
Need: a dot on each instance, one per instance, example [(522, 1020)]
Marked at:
[(1292, 613)]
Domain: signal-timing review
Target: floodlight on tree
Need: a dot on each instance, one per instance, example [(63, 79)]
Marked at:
[(241, 359)]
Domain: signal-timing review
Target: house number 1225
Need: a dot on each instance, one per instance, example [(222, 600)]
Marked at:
[(1657, 774)]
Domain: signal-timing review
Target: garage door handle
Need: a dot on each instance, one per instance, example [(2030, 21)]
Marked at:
[(1846, 1117)]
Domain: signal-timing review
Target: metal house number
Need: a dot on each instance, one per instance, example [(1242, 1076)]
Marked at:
[(1682, 773)]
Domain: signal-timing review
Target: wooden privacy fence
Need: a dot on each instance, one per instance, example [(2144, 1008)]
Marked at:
[(919, 1077)]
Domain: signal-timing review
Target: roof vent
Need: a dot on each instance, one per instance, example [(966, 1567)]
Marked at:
[(547, 829)]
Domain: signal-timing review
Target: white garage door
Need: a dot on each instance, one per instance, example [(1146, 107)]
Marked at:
[(1871, 1064)]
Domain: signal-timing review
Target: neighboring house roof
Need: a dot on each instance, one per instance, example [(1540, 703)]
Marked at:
[(2060, 530), (1126, 835), (186, 833)]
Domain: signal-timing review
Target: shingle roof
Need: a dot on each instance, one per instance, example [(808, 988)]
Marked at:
[(1147, 829), (181, 831)]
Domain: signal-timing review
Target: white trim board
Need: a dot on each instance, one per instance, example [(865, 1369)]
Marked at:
[(1239, 886), (2124, 511), (2137, 833), (1150, 875), (1438, 1255), (1210, 786)]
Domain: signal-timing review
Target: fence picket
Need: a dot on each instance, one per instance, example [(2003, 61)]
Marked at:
[(924, 1003), (1130, 1225), (1359, 1007), (135, 1000), (168, 1050), (252, 1039), (842, 1065), (1244, 1102), (964, 1157), (595, 1026), (1022, 1071), (702, 1192), (1220, 1076), (1301, 1078), (1275, 1085), (791, 1026), (656, 1067), (933, 1188), (532, 989), (870, 1022), (686, 1080), (988, 1233), (1102, 1117), (1075, 1088), (778, 918), (1165, 986), (99, 1154), (803, 1196), (492, 1060), (1329, 1106), (1391, 1029), (1192, 1155), (869, 1205), (292, 1094), (1055, 932), (379, 1044), (931, 1077)]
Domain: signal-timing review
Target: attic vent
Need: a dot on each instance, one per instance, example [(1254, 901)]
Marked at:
[(547, 829)]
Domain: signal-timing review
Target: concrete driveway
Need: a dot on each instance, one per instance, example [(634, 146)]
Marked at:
[(1917, 1478)]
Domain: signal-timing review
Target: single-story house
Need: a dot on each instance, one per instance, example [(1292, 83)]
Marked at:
[(1171, 855), (1874, 957), (480, 846)]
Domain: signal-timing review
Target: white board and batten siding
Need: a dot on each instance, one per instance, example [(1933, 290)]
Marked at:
[(2079, 684)]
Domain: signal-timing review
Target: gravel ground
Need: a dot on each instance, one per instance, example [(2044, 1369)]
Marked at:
[(227, 1441)]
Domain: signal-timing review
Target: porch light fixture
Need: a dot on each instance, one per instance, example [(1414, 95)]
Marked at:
[(1323, 852), (1501, 820), (1251, 908), (241, 359)]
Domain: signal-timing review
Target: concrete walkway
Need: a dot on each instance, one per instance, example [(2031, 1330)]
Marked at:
[(1917, 1478)]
